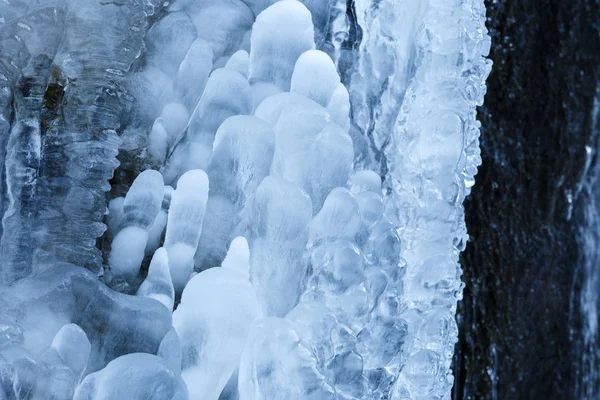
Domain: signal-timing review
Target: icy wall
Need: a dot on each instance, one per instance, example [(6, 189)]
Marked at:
[(528, 321), (235, 199)]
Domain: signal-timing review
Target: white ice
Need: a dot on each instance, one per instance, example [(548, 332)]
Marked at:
[(217, 309), (184, 225)]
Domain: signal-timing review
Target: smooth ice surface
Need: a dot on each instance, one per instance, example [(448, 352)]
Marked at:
[(136, 376), (194, 71), (217, 309), (279, 225), (184, 225), (158, 284), (280, 35), (73, 347), (242, 156), (140, 208), (315, 76)]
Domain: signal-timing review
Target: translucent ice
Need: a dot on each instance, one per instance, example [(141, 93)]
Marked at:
[(279, 224), (222, 24), (158, 284), (339, 217), (169, 40), (276, 364), (315, 76), (217, 308), (240, 62), (140, 208), (137, 376), (227, 93), (340, 225), (238, 256), (174, 117), (170, 350), (184, 225), (73, 347), (157, 229), (61, 294), (193, 72), (280, 35), (242, 155)]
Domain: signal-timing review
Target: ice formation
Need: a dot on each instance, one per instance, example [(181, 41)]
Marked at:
[(284, 216)]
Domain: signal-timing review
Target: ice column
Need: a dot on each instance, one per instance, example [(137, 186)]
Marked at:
[(427, 130)]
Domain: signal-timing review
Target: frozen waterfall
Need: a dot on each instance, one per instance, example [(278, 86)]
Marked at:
[(235, 199)]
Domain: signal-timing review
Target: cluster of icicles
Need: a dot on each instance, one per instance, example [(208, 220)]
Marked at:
[(292, 247), (281, 253)]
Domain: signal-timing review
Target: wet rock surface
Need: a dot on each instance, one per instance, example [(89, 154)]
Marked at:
[(527, 319)]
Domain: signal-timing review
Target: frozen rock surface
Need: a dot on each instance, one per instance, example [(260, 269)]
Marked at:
[(285, 213)]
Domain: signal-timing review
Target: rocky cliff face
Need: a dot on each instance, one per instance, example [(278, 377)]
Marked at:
[(528, 319)]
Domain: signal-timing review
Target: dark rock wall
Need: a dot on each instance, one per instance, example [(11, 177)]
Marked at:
[(531, 215)]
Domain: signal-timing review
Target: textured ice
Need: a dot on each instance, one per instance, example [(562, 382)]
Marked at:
[(285, 213)]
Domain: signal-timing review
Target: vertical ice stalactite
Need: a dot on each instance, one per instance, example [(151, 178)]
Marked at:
[(360, 280), (381, 73), (414, 94), (28, 44), (81, 117), (432, 159)]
